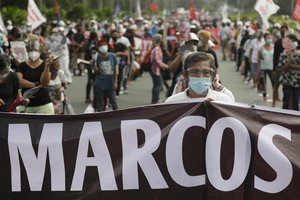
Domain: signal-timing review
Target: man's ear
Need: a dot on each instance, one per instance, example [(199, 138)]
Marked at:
[(213, 76)]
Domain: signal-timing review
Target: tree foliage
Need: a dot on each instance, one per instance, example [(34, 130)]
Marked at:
[(16, 15), (103, 9)]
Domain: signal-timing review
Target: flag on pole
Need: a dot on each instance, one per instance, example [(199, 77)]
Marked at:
[(34, 17), (266, 8), (225, 11), (138, 9), (296, 14), (117, 8), (57, 11), (192, 10), (153, 7), (3, 25)]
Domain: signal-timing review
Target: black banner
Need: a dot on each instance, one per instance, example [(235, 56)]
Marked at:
[(167, 151)]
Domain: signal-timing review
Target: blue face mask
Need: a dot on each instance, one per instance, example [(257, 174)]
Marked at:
[(269, 41), (199, 85)]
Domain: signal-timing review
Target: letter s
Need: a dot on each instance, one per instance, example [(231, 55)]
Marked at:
[(275, 158)]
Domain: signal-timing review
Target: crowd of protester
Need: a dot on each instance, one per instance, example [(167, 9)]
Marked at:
[(110, 54)]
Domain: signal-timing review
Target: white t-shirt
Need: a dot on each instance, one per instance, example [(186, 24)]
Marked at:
[(267, 59), (212, 94), (256, 46), (247, 47), (124, 40)]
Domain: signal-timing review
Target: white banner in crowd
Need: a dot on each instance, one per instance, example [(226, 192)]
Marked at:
[(35, 17), (3, 25), (266, 8)]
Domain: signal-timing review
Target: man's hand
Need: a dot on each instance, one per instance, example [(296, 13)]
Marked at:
[(216, 82), (25, 102)]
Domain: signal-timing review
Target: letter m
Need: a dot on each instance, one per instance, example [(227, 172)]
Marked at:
[(20, 146)]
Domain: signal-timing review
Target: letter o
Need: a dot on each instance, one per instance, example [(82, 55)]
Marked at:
[(242, 153)]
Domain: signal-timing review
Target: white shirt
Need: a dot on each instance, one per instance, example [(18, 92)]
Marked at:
[(124, 40), (256, 46), (247, 48), (212, 94), (267, 59)]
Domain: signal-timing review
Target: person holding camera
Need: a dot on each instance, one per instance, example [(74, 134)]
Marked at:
[(36, 72), (106, 77)]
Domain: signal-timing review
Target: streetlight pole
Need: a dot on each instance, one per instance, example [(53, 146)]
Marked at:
[(239, 10), (100, 4), (292, 7)]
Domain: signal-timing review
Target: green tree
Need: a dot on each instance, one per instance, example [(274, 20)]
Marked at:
[(16, 15), (79, 10)]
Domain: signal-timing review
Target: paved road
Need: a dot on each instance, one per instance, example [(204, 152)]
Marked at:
[(140, 90)]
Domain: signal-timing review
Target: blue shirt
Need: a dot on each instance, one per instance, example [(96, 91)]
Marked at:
[(106, 67)]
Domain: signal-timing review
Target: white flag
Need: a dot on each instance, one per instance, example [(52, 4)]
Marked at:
[(266, 8), (225, 11), (3, 25), (35, 17)]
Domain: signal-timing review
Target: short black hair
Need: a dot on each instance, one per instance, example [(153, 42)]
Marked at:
[(293, 37), (4, 61), (196, 57)]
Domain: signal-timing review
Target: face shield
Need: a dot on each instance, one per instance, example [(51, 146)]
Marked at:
[(33, 45)]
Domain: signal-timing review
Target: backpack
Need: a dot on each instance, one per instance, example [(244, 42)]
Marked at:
[(146, 65)]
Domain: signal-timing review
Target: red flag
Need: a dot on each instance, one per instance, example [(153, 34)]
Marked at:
[(296, 14), (57, 11), (153, 7), (192, 10)]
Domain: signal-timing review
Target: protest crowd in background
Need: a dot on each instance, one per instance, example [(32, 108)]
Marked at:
[(112, 53)]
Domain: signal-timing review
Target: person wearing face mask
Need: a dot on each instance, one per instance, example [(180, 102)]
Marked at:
[(255, 45), (289, 65), (9, 84), (106, 77), (91, 49), (203, 45), (265, 62), (278, 49), (122, 50), (176, 65), (199, 70), (36, 72)]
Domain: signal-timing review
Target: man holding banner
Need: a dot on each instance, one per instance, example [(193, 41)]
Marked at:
[(200, 71)]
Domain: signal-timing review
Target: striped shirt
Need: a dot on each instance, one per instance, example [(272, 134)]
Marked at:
[(157, 60)]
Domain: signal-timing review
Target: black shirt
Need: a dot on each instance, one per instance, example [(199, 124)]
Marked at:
[(120, 47), (278, 49), (9, 90), (33, 75), (79, 38)]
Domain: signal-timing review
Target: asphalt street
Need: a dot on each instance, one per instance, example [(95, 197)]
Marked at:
[(139, 91)]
